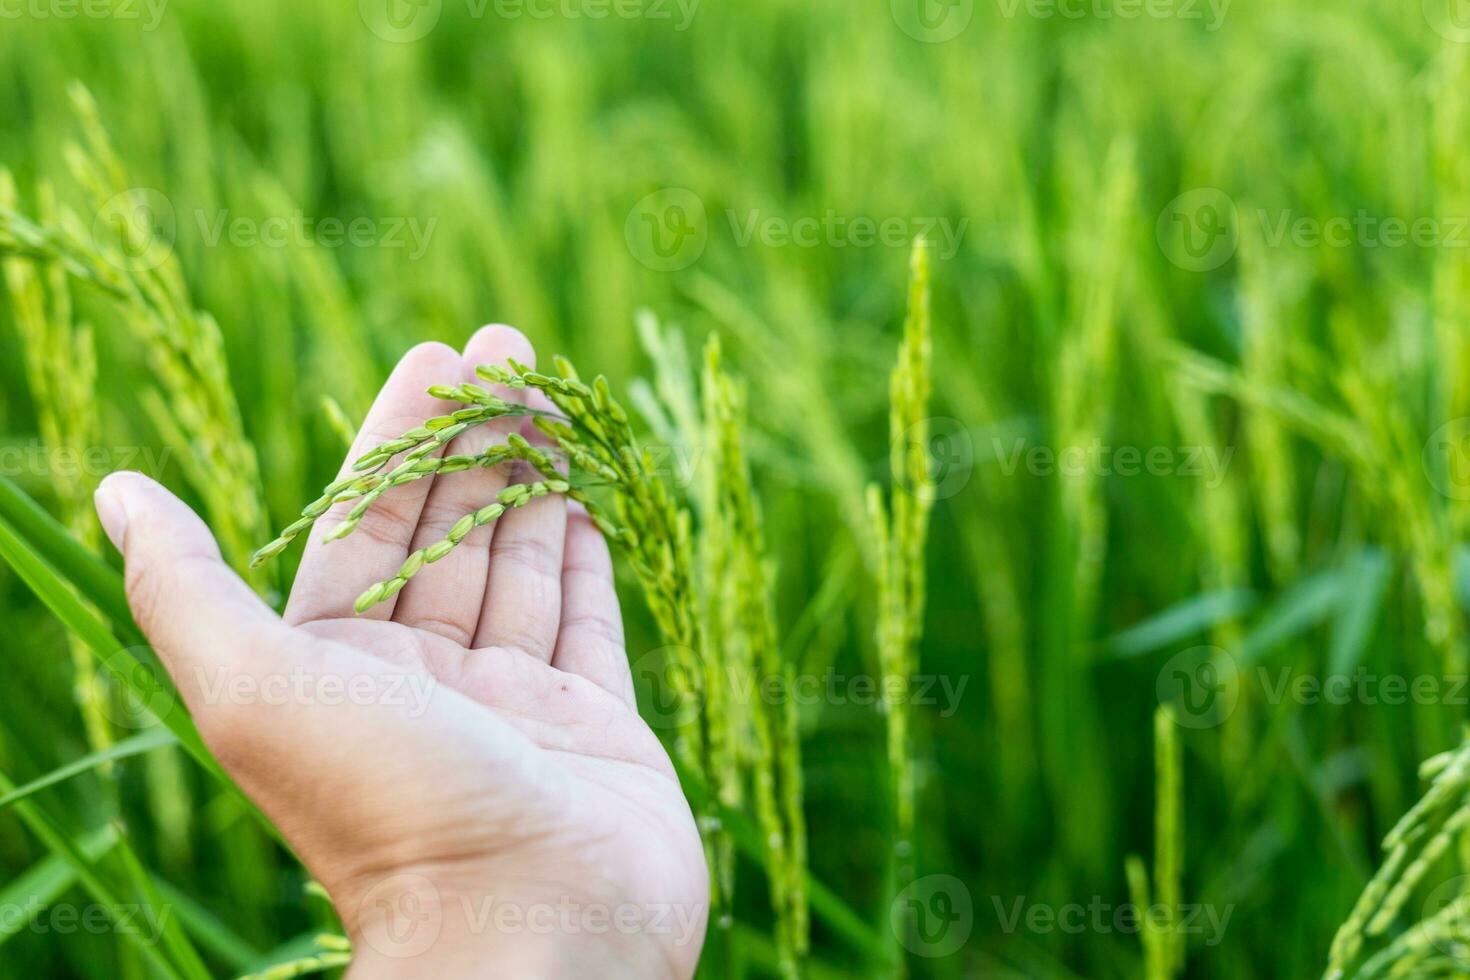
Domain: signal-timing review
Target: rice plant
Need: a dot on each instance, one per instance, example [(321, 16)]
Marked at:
[(1434, 944)]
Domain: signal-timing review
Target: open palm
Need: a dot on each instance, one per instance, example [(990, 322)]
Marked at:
[(463, 767)]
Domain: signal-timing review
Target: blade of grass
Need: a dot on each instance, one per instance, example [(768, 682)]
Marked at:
[(1306, 604), (171, 932), (93, 577), (137, 745), (1180, 621), (213, 934), (48, 586), (47, 881), (60, 843), (119, 662), (826, 904), (1362, 599)]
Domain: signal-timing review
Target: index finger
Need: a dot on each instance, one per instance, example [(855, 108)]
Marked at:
[(334, 574)]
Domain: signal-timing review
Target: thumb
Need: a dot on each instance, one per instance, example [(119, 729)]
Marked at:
[(196, 612)]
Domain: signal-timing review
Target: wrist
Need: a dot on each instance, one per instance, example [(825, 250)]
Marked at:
[(412, 925)]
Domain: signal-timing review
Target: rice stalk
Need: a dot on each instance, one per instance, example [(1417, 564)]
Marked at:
[(332, 952), (1161, 904), (337, 348), (900, 531), (61, 367), (1450, 278), (336, 419), (1226, 548), (738, 584), (130, 262), (1415, 844), (1264, 363), (1082, 410)]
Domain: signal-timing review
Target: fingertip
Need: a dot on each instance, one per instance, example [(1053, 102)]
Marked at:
[(428, 357), (123, 481), (497, 343), (114, 499)]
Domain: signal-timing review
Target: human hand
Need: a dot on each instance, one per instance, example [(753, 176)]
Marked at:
[(462, 767)]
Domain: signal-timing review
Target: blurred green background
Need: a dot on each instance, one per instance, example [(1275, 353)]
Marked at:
[(1202, 287)]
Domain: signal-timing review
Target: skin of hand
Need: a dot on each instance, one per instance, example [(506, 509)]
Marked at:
[(462, 767)]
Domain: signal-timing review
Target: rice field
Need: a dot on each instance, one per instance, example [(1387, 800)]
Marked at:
[(1033, 435)]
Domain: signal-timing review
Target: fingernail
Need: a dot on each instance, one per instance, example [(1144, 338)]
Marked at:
[(110, 510)]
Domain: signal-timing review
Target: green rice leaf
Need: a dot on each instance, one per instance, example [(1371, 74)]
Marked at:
[(76, 617), (211, 931), (47, 881), (1180, 621), (138, 744), (97, 581), (1311, 601), (1363, 591), (171, 931), (826, 904), (84, 866)]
